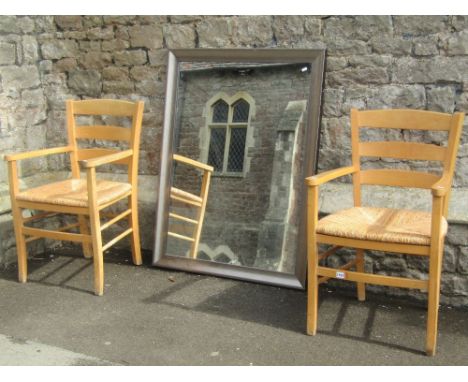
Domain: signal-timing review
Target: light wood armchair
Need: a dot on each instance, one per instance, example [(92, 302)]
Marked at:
[(193, 200), (384, 229), (85, 198)]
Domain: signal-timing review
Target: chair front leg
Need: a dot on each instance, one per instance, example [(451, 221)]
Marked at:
[(133, 222), (18, 223), (312, 260), (95, 223), (435, 270)]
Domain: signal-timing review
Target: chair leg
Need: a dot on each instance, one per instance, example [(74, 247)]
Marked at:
[(135, 237), (84, 230), (97, 253), (360, 267), (21, 249), (435, 268), (312, 289)]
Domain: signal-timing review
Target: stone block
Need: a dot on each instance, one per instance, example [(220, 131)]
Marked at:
[(159, 57), (26, 24), (441, 99), (113, 73), (119, 20), (180, 19), (85, 82), (449, 263), (44, 24), (95, 60), (56, 49), (357, 27), (9, 24), (419, 25), (7, 53), (179, 36), (358, 75), (459, 22), (66, 65), (458, 234), (462, 265), (426, 46), (335, 63), (30, 49), (337, 46), (394, 96), (429, 71), (457, 44), (105, 33), (115, 45), (146, 36), (130, 57), (395, 46), (16, 78), (332, 102), (119, 87), (215, 32), (254, 30), (69, 22)]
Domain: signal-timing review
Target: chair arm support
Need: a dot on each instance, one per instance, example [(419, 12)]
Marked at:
[(105, 159), (442, 186), (193, 163), (37, 153), (329, 175)]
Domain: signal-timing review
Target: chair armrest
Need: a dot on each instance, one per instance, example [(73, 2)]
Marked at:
[(37, 153), (442, 186), (193, 163), (329, 175), (105, 159)]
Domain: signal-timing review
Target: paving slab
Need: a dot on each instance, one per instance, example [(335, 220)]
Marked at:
[(152, 316)]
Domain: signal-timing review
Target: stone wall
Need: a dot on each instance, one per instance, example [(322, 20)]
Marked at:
[(372, 62)]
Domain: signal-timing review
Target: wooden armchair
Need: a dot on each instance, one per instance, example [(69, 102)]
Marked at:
[(85, 198), (384, 229), (196, 201)]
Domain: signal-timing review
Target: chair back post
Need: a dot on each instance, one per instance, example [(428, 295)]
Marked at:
[(452, 151), (356, 157), (75, 168), (135, 143)]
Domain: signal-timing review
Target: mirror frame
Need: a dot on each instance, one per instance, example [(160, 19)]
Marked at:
[(316, 59)]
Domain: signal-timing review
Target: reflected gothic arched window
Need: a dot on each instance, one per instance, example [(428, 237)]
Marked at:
[(228, 133)]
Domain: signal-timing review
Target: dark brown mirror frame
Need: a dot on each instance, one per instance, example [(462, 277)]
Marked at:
[(315, 58)]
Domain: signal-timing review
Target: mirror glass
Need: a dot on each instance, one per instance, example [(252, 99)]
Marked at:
[(240, 149)]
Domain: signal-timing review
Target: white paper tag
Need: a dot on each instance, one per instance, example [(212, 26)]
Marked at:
[(340, 275)]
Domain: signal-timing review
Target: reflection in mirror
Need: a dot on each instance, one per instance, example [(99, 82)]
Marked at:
[(241, 125)]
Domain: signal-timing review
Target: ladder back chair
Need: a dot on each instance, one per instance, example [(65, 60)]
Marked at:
[(85, 198), (193, 200), (385, 229)]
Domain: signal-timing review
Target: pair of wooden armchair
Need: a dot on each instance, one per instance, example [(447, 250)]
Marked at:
[(86, 198)]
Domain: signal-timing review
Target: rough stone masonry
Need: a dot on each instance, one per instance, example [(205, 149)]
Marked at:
[(372, 62)]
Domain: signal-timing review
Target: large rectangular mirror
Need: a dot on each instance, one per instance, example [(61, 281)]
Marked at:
[(241, 130)]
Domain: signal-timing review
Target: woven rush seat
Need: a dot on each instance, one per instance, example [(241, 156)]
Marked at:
[(380, 224), (185, 195), (74, 192)]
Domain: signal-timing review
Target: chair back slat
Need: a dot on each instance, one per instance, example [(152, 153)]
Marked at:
[(83, 154), (403, 150), (398, 178), (117, 108), (110, 133), (405, 119)]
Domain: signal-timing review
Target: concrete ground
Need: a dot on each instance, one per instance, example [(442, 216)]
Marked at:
[(150, 316)]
